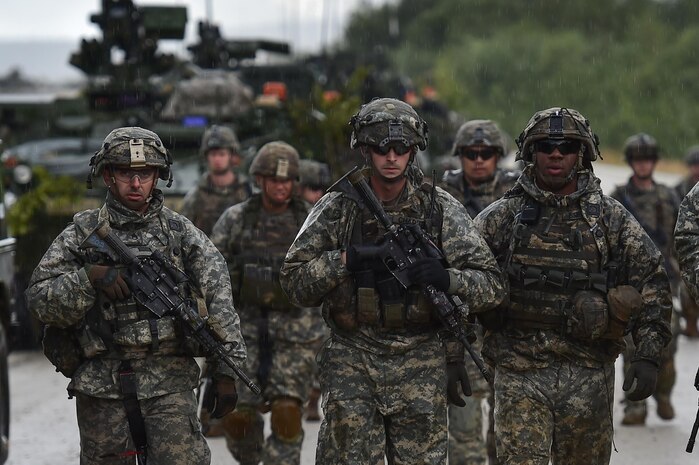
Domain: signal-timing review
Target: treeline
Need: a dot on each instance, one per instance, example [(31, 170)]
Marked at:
[(628, 65)]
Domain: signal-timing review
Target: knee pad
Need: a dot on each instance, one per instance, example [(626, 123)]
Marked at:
[(286, 419), (240, 423)]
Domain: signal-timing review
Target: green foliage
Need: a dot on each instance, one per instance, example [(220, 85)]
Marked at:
[(629, 66), (52, 195)]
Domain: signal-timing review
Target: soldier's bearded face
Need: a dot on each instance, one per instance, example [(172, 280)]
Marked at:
[(277, 191), (555, 172), (219, 160)]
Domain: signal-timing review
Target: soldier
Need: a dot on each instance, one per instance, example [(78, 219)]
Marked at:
[(221, 186), (690, 308), (578, 265), (254, 236), (655, 207), (132, 376), (315, 179), (480, 145), (383, 371)]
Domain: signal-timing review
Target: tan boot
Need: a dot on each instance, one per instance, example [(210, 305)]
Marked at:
[(690, 328), (634, 414), (312, 412), (665, 410)]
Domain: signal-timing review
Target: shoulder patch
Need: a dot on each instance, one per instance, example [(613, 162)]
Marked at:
[(174, 225)]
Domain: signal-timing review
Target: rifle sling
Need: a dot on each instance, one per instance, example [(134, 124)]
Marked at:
[(137, 424)]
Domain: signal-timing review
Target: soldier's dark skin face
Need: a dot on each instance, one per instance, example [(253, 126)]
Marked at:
[(132, 191), (555, 172), (276, 192)]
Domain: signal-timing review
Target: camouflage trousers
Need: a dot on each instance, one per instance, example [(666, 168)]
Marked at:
[(173, 431), (291, 370), (560, 413), (377, 406)]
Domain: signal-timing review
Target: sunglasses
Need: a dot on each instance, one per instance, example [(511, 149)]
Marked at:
[(398, 147), (485, 153), (565, 146)]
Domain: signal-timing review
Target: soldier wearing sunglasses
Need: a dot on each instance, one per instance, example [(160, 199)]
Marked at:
[(480, 145), (582, 273)]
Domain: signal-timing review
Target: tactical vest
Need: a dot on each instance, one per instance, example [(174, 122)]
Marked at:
[(125, 329), (210, 203), (260, 251), (554, 256), (381, 301)]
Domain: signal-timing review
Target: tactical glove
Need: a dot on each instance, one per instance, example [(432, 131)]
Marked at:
[(221, 397), (108, 280), (429, 271), (645, 374), (456, 375), (355, 263)]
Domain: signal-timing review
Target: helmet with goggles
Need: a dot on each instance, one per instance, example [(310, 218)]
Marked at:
[(132, 147), (386, 122), (552, 128)]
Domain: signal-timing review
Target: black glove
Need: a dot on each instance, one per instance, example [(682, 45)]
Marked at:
[(109, 280), (221, 397), (429, 271), (646, 375), (456, 375), (354, 262), (696, 380)]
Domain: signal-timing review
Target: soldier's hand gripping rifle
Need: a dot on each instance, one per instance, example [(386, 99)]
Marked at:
[(401, 246), (155, 281), (695, 428)]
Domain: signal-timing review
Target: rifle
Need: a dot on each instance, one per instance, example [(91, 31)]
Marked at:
[(695, 427), (154, 281), (401, 246)]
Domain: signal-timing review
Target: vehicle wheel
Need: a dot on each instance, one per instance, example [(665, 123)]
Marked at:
[(4, 397)]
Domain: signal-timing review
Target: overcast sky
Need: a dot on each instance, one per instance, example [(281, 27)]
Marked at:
[(301, 22)]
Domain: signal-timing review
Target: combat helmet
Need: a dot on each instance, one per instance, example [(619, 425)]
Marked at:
[(276, 159), (386, 120), (133, 147), (692, 155), (641, 146), (479, 132), (558, 123), (219, 137), (314, 174)]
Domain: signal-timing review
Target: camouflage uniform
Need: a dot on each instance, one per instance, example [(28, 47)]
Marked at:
[(282, 339), (112, 333), (383, 369), (690, 308), (553, 342), (205, 203), (466, 444), (656, 210), (687, 241)]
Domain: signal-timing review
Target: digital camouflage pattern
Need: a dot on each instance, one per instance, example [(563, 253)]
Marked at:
[(690, 309), (276, 159), (281, 337), (61, 295), (656, 210), (527, 356), (313, 273), (404, 125), (205, 203), (476, 198), (105, 430), (687, 241), (219, 137), (479, 132)]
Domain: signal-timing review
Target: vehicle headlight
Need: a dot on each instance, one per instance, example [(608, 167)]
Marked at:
[(22, 174)]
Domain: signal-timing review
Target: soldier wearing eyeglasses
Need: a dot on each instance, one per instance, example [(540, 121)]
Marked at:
[(480, 145), (582, 273), (385, 372)]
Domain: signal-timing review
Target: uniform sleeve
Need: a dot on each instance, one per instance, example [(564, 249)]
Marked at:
[(189, 204), (474, 274), (225, 232), (312, 266), (207, 268), (59, 292), (641, 265), (687, 241)]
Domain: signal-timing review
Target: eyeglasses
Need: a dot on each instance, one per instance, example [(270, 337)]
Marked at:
[(398, 147), (564, 146), (485, 153), (128, 174)]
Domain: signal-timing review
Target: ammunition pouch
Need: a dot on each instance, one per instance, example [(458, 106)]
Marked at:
[(624, 303), (61, 348), (260, 287), (588, 317)]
